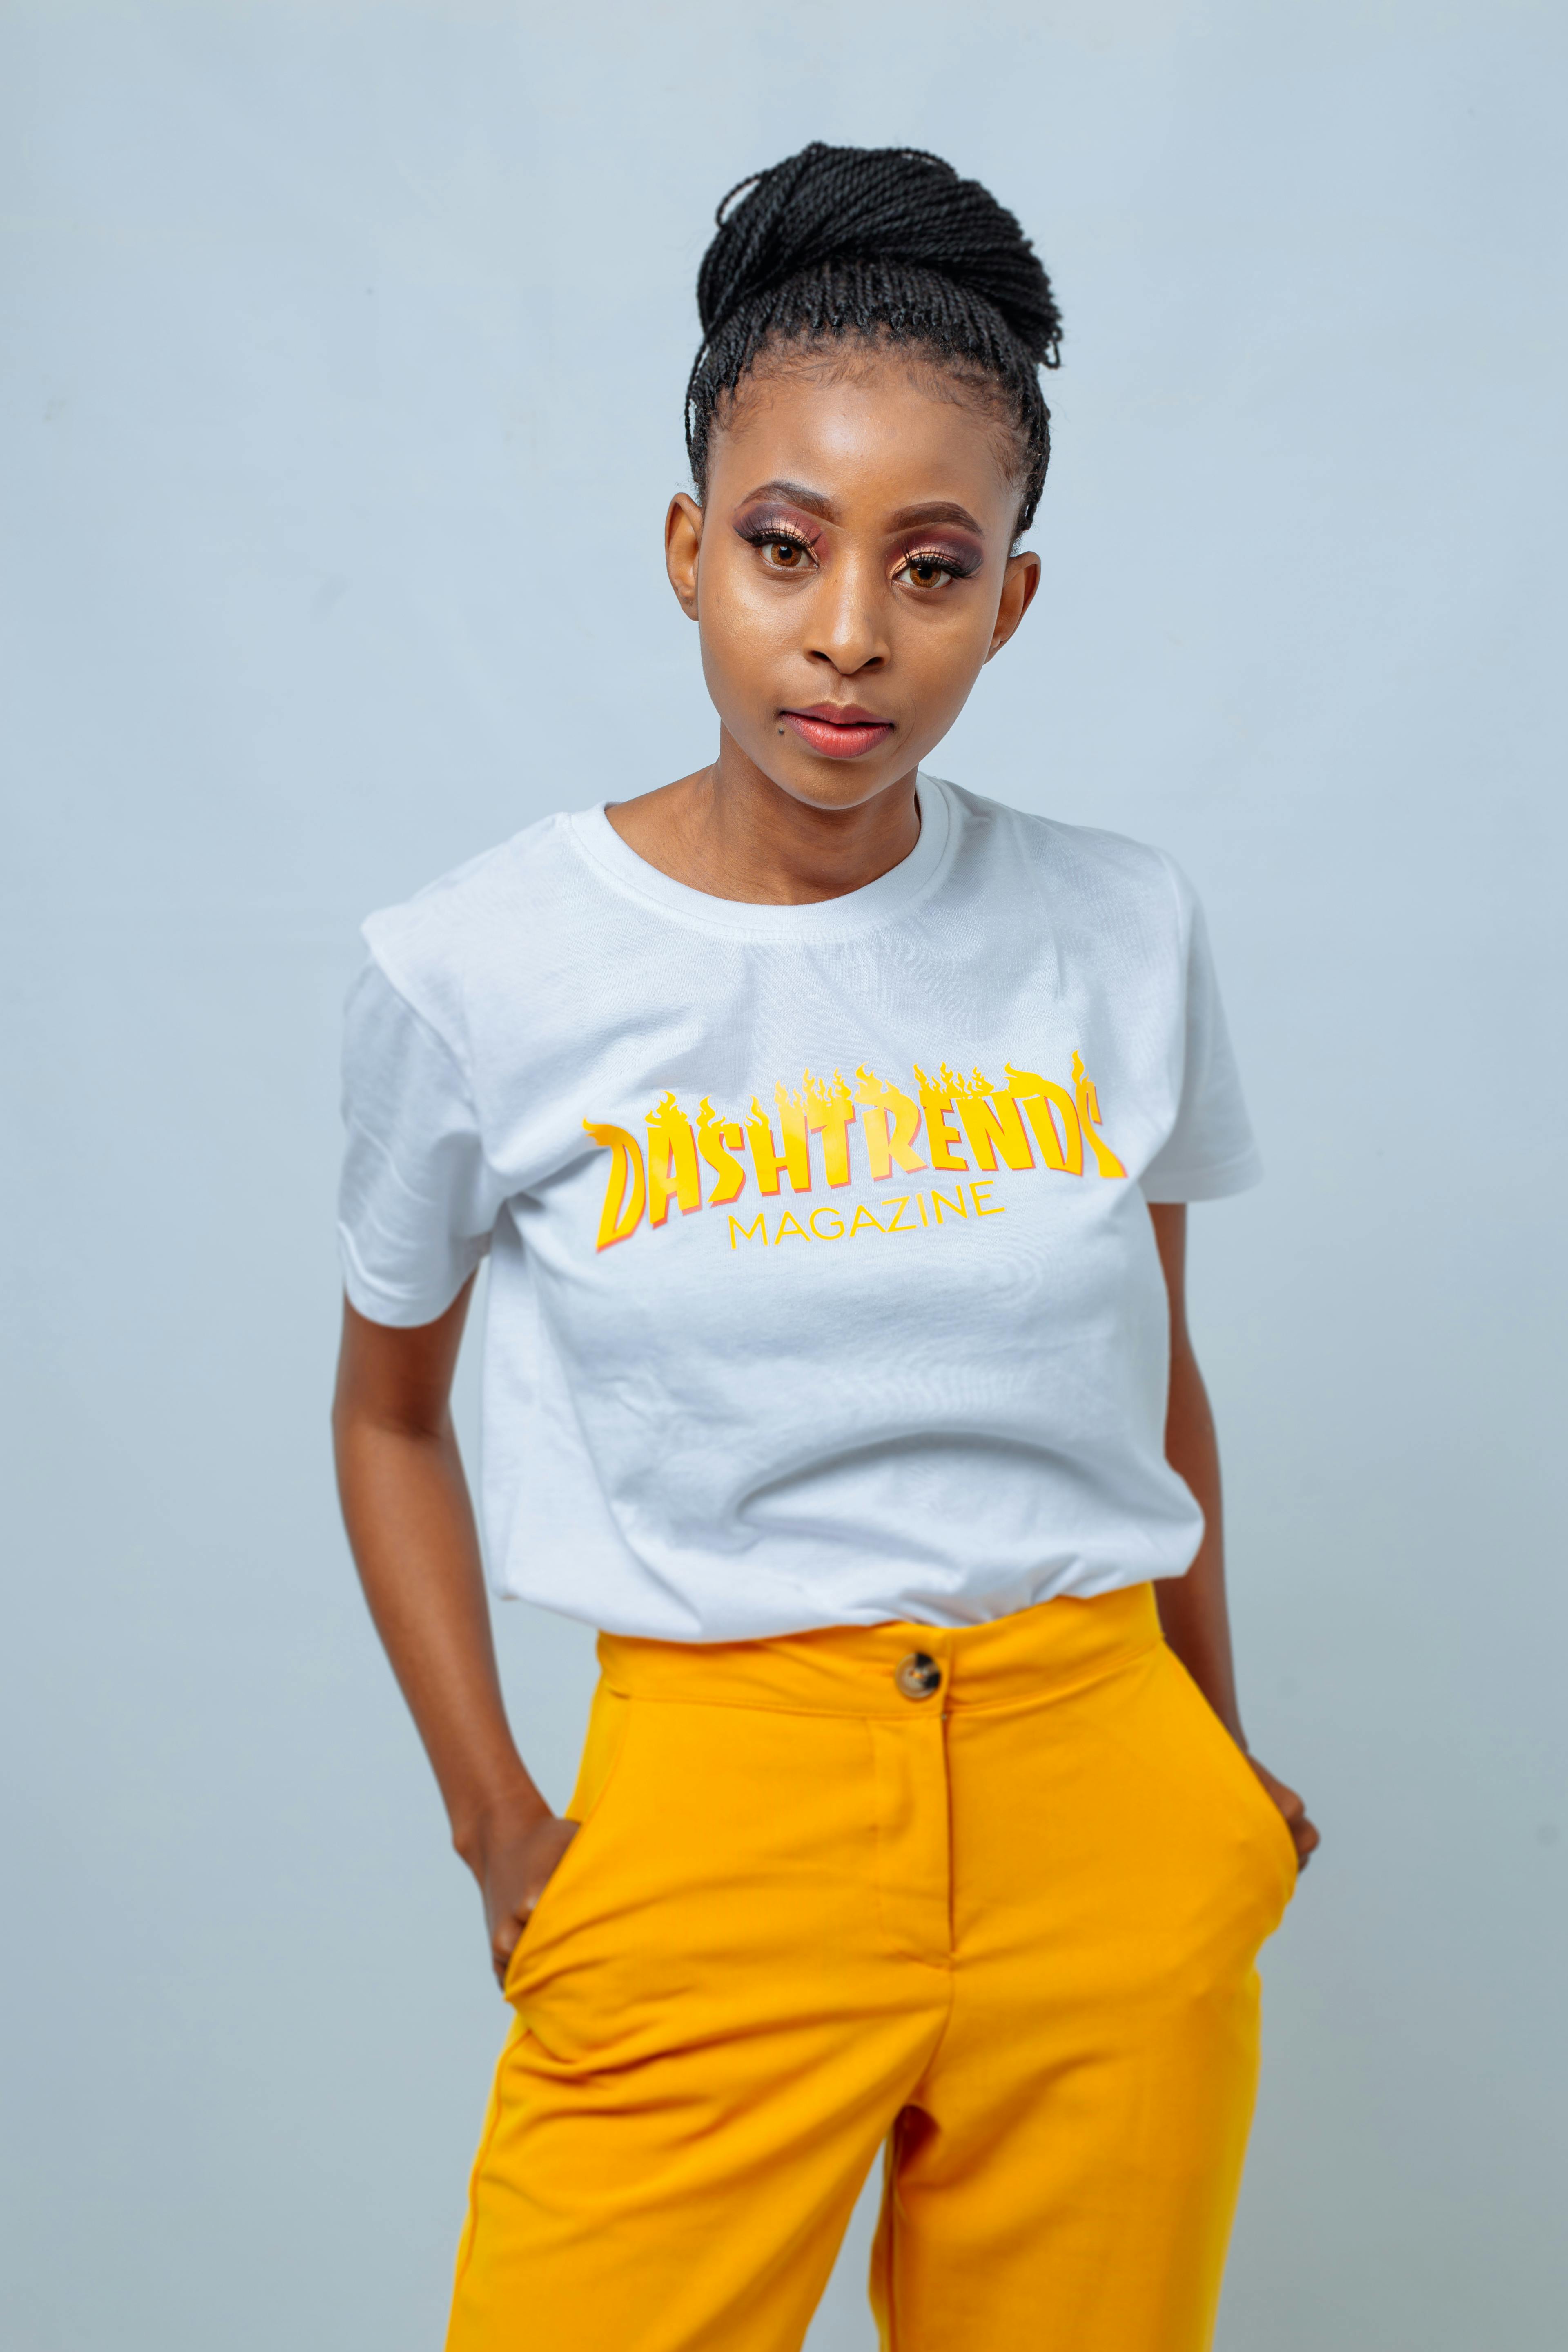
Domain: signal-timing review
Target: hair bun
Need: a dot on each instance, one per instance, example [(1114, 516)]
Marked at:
[(830, 205)]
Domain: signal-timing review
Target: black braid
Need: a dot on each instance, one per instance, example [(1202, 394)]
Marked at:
[(876, 244)]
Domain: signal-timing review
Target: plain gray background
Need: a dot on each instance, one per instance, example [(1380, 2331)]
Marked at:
[(344, 347)]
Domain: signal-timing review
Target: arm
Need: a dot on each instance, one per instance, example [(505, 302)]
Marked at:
[(411, 1528), (1194, 1613)]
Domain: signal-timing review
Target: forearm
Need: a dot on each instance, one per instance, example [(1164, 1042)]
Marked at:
[(1194, 1610), (411, 1527)]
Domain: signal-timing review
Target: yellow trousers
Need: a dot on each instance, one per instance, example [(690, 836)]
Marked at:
[(987, 1900)]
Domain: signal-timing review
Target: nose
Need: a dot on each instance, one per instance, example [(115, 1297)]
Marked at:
[(846, 626)]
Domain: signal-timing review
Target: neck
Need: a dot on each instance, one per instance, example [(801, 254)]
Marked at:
[(731, 832)]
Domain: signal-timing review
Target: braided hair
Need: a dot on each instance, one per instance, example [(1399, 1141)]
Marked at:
[(875, 245)]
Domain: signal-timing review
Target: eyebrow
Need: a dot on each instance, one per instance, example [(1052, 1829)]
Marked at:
[(936, 511), (930, 510)]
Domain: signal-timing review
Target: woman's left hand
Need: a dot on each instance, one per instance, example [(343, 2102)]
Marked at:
[(1305, 1835)]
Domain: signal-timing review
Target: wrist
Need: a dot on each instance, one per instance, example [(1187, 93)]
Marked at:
[(499, 1816)]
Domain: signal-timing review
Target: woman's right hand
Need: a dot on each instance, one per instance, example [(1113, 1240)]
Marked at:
[(417, 1551), (518, 1855)]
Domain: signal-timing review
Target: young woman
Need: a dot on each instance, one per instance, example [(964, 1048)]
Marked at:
[(829, 1129)]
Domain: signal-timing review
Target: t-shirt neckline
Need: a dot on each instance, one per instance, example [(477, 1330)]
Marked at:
[(892, 893)]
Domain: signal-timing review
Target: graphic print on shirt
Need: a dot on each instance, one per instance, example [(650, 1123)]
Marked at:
[(1002, 1127)]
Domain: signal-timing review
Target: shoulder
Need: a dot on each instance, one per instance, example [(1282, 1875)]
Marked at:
[(1080, 871), (475, 930)]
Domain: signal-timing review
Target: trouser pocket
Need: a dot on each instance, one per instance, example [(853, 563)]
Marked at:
[(604, 1746)]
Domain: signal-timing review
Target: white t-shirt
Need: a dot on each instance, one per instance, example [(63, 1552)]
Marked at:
[(823, 1289)]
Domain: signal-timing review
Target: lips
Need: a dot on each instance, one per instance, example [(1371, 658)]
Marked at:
[(841, 730)]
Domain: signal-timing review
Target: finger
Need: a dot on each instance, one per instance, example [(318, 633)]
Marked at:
[(1290, 1804)]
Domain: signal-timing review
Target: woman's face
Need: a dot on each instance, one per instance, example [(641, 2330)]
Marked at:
[(850, 571)]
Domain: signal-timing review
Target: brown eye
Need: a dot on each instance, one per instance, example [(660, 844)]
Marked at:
[(934, 570), (780, 548)]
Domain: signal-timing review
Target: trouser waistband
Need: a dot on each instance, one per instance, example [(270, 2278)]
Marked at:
[(886, 1669)]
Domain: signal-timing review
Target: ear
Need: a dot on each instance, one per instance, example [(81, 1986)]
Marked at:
[(682, 544), (1018, 586)]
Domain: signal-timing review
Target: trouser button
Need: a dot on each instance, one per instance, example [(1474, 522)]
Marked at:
[(918, 1675)]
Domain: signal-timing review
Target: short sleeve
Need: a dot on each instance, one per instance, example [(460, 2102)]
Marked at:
[(418, 1201), (1209, 1150)]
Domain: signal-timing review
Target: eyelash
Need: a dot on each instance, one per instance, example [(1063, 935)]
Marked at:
[(941, 560), (782, 534), (778, 535)]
